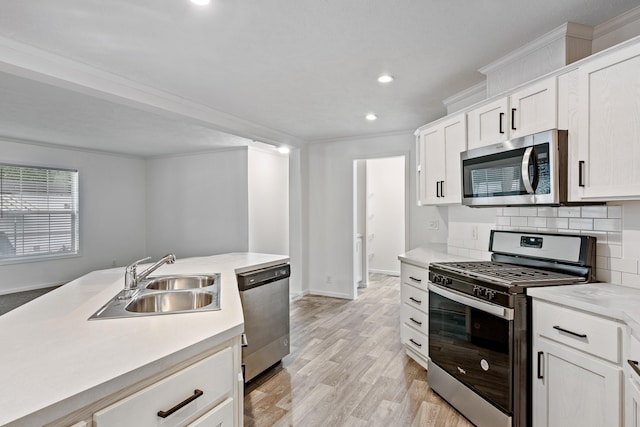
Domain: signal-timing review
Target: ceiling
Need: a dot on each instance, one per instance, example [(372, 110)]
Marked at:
[(149, 77)]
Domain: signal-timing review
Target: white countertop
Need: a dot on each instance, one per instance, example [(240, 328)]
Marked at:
[(424, 255), (615, 301), (53, 360)]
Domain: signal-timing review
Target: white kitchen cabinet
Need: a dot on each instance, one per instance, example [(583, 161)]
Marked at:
[(203, 393), (576, 368), (529, 110), (440, 146), (607, 166), (632, 383), (414, 312)]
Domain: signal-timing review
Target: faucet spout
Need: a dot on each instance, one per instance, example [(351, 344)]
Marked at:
[(132, 278), (167, 259)]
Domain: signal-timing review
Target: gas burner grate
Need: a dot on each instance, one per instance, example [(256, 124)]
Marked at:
[(507, 274)]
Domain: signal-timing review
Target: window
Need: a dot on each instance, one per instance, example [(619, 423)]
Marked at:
[(38, 212)]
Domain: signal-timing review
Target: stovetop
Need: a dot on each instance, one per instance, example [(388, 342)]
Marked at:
[(506, 274)]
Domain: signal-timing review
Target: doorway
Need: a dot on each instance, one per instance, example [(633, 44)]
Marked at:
[(379, 217)]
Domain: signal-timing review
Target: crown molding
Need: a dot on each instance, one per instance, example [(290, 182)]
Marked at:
[(477, 89), (568, 29), (32, 63), (616, 23)]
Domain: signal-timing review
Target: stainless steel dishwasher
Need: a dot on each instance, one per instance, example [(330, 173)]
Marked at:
[(265, 303)]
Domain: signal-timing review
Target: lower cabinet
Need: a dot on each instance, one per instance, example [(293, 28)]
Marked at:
[(205, 393), (414, 312), (632, 383), (577, 372)]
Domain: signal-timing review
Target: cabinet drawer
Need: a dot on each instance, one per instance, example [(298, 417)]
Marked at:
[(220, 416), (415, 319), (415, 340), (415, 276), (591, 334), (415, 298), (212, 376)]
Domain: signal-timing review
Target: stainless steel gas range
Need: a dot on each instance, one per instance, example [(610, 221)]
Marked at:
[(479, 317)]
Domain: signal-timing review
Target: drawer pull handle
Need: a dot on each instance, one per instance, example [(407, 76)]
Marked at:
[(634, 366), (417, 301), (196, 394), (415, 343), (415, 280), (417, 322), (540, 365), (575, 334)]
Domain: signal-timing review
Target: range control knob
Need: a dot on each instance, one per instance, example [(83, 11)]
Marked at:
[(476, 291), (447, 281), (490, 295)]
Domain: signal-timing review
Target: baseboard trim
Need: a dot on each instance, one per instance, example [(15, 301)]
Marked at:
[(328, 294), (387, 272)]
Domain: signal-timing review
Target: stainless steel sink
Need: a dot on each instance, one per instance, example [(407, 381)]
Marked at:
[(165, 295), (169, 302), (170, 283)]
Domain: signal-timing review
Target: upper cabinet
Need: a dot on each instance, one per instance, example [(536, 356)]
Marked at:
[(606, 160), (439, 147), (530, 110)]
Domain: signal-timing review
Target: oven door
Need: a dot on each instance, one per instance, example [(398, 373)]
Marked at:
[(522, 171), (471, 340)]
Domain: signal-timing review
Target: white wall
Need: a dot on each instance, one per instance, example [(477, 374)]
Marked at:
[(329, 208), (197, 204), (112, 214), (385, 214), (268, 178)]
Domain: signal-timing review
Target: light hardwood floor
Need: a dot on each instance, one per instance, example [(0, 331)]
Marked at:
[(347, 368)]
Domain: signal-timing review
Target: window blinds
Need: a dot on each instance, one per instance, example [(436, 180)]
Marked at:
[(38, 212)]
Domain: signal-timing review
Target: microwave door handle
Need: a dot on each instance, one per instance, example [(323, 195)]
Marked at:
[(526, 179)]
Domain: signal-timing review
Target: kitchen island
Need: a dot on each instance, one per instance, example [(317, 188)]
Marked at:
[(59, 368)]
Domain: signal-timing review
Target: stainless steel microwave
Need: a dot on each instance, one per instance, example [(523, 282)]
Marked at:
[(531, 170)]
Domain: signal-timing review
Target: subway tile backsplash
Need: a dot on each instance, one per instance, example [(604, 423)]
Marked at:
[(603, 222)]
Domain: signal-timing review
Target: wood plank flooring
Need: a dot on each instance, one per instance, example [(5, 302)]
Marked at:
[(347, 368)]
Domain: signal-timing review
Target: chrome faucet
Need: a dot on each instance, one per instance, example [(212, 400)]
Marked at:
[(132, 278)]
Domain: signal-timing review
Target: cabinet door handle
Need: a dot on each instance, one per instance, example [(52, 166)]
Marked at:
[(566, 331), (580, 173), (415, 343), (634, 366), (437, 189), (419, 323), (415, 280), (417, 301), (540, 365), (500, 124), (196, 394), (513, 119), (441, 188)]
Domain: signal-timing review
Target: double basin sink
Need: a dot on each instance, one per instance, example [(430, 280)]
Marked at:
[(165, 295)]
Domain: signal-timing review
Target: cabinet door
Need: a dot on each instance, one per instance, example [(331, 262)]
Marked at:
[(420, 171), (488, 124), (220, 416), (534, 108), (573, 389), (434, 163), (454, 134), (632, 405), (609, 127)]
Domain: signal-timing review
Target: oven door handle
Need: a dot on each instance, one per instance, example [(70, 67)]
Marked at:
[(496, 310), (526, 179)]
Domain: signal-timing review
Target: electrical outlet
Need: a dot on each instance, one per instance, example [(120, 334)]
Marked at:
[(474, 232), (328, 280), (114, 263), (434, 225)]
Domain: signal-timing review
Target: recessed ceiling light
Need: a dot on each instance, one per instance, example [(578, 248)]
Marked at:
[(371, 117), (200, 2), (385, 78), (284, 150)]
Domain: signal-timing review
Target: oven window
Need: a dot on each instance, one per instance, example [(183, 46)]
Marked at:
[(473, 346)]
